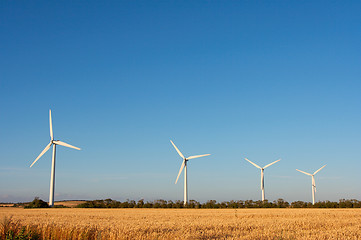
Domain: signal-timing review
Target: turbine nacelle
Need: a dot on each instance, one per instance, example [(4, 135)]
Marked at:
[(262, 168), (184, 166), (313, 181), (52, 143), (309, 174), (185, 160), (262, 173)]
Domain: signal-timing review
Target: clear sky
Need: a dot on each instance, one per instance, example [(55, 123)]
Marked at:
[(256, 79)]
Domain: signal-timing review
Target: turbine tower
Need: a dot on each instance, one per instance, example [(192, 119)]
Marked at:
[(313, 182), (262, 174), (184, 165), (52, 143)]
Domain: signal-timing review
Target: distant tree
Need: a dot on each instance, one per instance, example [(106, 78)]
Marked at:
[(193, 204), (349, 203), (223, 204), (233, 204), (298, 204), (114, 204), (249, 204), (260, 204), (178, 204), (140, 203), (282, 203), (210, 204), (355, 203), (329, 204), (240, 204), (132, 204), (160, 203), (170, 204), (149, 204), (37, 203)]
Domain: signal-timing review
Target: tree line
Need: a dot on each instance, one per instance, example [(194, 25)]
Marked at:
[(160, 203)]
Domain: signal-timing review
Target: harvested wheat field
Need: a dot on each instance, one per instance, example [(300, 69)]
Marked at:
[(190, 223)]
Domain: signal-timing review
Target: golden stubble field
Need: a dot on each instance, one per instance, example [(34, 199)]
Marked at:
[(192, 223)]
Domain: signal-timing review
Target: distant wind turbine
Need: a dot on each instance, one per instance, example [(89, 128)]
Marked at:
[(184, 165), (313, 182), (262, 174), (54, 143)]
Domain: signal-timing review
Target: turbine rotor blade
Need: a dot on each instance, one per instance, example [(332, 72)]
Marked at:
[(51, 126), (197, 156), (42, 153), (180, 171), (271, 163), (253, 163), (180, 154), (309, 174), (262, 180), (319, 170), (65, 144)]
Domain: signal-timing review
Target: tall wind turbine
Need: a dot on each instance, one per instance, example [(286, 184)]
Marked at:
[(54, 143), (184, 165), (262, 174), (313, 182)]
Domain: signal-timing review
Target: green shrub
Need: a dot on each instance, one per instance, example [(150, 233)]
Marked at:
[(60, 206), (37, 203)]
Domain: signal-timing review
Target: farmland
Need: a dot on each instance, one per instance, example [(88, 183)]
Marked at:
[(191, 223)]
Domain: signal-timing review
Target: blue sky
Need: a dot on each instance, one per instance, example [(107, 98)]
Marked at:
[(256, 79)]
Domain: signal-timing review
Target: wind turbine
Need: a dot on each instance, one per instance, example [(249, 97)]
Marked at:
[(262, 174), (54, 143), (184, 165), (313, 182)]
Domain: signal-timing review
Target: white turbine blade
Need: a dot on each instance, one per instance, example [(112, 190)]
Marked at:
[(262, 180), (65, 144), (318, 170), (309, 174), (198, 156), (180, 154), (271, 163), (180, 171), (51, 126), (253, 163), (42, 153)]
